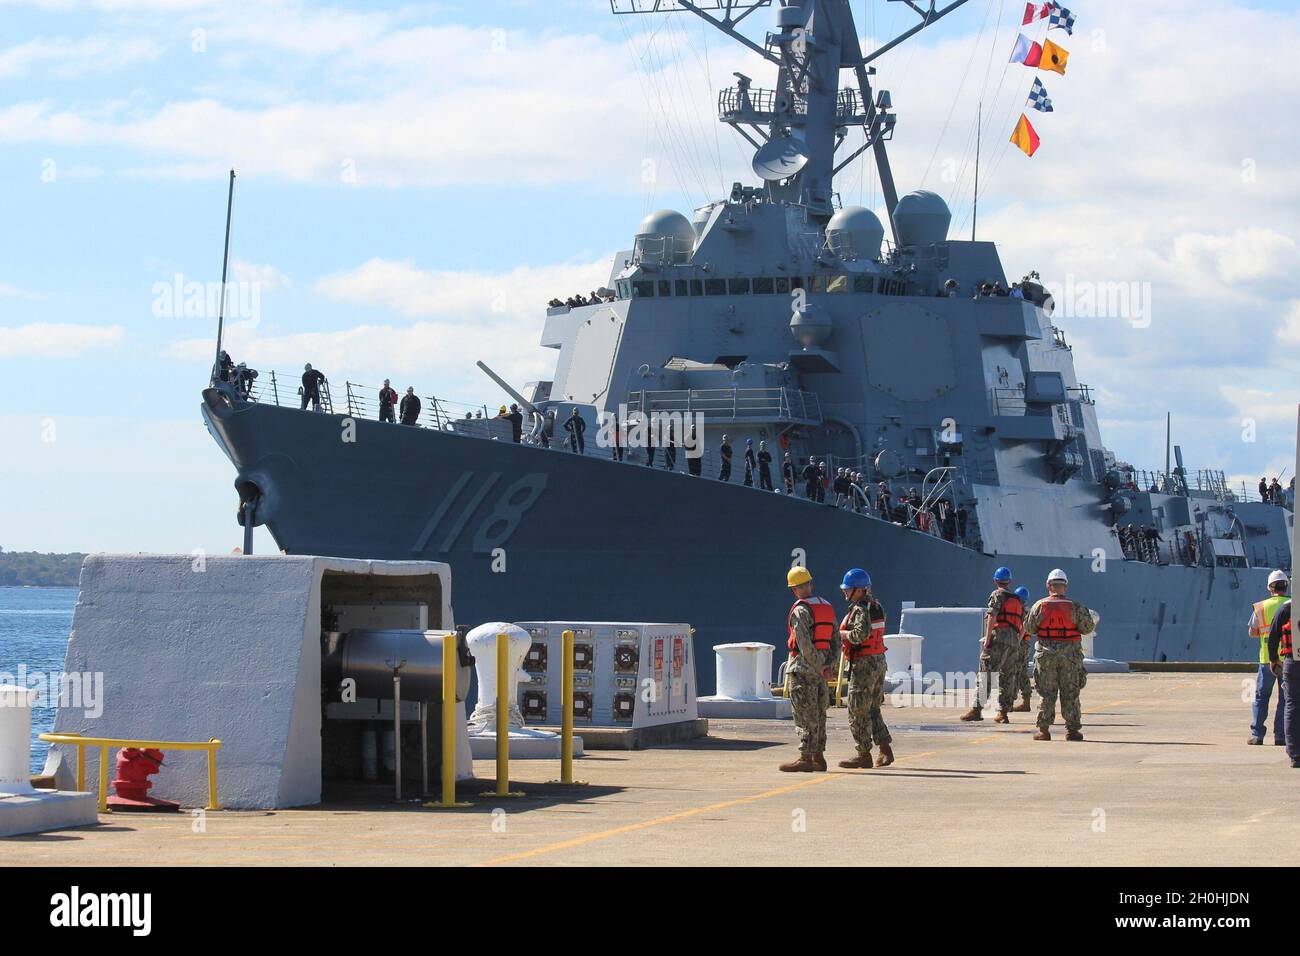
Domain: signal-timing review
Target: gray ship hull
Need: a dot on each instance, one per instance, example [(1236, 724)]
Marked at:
[(534, 533)]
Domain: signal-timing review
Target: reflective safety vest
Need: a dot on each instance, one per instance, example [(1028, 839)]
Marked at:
[(1010, 615), (875, 642), (1261, 621), (1057, 623), (823, 623)]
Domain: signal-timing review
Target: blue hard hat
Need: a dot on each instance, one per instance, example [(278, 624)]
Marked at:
[(1022, 592), (1002, 574), (749, 441), (855, 578)]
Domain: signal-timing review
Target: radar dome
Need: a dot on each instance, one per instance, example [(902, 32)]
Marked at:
[(922, 219), (669, 229), (855, 232)]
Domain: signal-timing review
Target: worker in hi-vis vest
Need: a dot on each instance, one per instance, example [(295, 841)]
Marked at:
[(862, 637), (1261, 620), (811, 625)]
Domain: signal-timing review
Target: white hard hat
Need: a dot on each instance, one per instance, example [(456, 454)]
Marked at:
[(1057, 575), (1278, 576)]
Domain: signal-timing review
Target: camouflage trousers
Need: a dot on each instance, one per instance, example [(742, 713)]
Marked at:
[(866, 696), (1058, 669), (1005, 660), (1022, 675), (809, 699)]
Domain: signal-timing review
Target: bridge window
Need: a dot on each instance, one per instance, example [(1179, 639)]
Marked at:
[(764, 286), (682, 287), (817, 284), (697, 287), (665, 287), (643, 290), (715, 286), (838, 284), (862, 283), (738, 286), (782, 285)]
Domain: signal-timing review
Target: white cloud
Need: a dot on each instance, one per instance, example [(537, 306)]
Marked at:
[(267, 278), (53, 340), (13, 292), (64, 58)]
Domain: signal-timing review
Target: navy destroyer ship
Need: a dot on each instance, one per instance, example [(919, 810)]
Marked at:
[(778, 315)]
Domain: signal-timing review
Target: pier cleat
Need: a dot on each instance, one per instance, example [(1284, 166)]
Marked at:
[(1043, 734), (973, 714), (862, 761), (886, 756), (1074, 735), (1002, 718), (805, 764)]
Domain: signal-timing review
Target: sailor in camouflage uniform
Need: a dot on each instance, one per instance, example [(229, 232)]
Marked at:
[(811, 623), (1059, 624), (863, 635), (1001, 649)]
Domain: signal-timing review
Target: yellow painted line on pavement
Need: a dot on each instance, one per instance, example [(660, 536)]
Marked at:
[(659, 821), (723, 805)]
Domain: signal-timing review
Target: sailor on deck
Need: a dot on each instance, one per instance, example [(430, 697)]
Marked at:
[(862, 633), (1000, 652)]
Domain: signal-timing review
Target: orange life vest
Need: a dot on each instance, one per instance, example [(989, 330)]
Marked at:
[(1011, 614), (823, 623), (875, 642), (1057, 623), (1284, 649)]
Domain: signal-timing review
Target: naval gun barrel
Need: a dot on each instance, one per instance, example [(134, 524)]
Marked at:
[(523, 402)]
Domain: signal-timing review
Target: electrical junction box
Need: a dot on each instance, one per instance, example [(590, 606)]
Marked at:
[(624, 675)]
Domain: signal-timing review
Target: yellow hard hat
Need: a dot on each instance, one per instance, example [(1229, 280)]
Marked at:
[(503, 408), (796, 576)]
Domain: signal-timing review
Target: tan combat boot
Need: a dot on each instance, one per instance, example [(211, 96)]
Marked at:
[(1022, 707), (819, 758), (886, 756), (1074, 735), (861, 762), (973, 714), (1043, 734), (805, 764), (1002, 718)]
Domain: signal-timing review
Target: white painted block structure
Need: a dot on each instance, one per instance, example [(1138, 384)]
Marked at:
[(24, 809), (744, 684), (227, 646)]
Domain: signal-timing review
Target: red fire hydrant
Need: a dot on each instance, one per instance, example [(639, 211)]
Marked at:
[(132, 783)]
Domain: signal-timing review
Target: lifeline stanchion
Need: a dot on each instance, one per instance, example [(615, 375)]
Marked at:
[(503, 719), (566, 715), (450, 667)]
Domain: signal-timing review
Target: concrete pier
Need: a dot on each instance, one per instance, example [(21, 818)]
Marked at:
[(1164, 777)]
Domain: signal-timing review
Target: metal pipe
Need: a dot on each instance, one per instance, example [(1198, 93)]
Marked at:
[(397, 732), (424, 748)]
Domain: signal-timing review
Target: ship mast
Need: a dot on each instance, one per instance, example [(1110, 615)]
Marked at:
[(799, 126)]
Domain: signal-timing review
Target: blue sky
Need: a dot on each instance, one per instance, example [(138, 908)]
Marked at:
[(415, 180)]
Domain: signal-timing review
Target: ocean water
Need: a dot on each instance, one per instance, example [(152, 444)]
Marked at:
[(34, 627)]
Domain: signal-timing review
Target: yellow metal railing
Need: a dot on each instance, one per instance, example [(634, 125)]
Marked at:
[(107, 743)]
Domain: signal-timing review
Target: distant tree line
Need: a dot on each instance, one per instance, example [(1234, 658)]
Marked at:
[(34, 569)]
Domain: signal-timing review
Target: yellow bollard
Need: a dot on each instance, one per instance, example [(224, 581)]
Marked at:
[(212, 775), (103, 780), (450, 667), (566, 715), (503, 718)]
